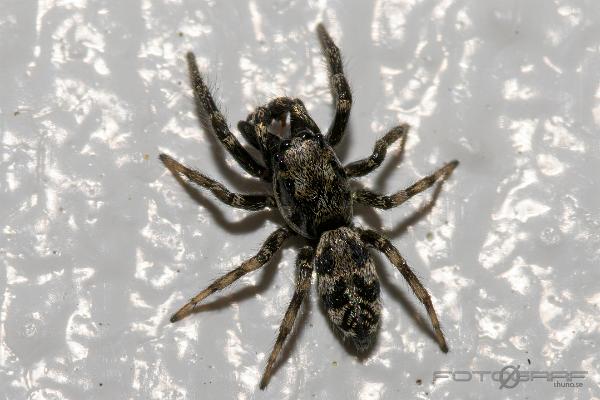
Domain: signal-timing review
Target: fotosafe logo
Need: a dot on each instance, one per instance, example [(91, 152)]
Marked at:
[(510, 376)]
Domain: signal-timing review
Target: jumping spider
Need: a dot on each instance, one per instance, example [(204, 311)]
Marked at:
[(311, 190)]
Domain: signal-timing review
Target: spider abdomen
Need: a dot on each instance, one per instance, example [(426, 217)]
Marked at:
[(348, 285)]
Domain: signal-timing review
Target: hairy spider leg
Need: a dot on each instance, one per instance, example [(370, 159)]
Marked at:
[(366, 165), (339, 86), (252, 202), (269, 247), (211, 116), (367, 197), (249, 133), (303, 276), (385, 246), (278, 109), (299, 117), (255, 127)]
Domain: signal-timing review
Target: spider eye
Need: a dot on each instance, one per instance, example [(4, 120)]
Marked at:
[(289, 185), (285, 145), (320, 139), (281, 165), (307, 135)]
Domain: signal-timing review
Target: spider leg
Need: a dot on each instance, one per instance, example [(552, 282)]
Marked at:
[(385, 246), (339, 86), (269, 247), (373, 199), (299, 117), (303, 275), (277, 109), (366, 165), (249, 133), (300, 120), (253, 202), (211, 115), (256, 128)]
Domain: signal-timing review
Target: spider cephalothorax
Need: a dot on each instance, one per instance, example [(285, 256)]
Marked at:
[(310, 186), (311, 190)]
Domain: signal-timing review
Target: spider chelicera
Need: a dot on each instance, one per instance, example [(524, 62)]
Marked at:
[(311, 190)]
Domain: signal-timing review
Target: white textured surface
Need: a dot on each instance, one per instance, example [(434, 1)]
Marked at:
[(100, 244)]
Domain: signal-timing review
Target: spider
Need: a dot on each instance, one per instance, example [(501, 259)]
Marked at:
[(311, 190)]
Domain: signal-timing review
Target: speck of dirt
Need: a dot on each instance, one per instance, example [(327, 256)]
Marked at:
[(334, 363), (146, 157), (100, 384), (180, 34), (16, 113), (429, 236), (528, 361), (419, 381)]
